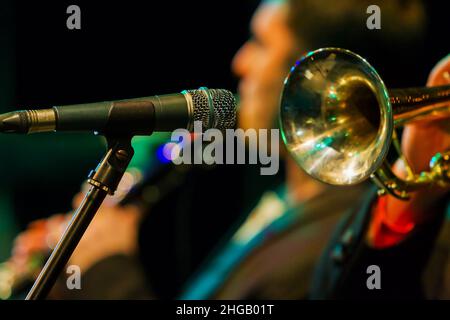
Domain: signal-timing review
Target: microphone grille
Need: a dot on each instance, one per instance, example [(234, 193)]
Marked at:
[(224, 108), (222, 103)]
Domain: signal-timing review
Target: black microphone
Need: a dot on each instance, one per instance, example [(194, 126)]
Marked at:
[(215, 108)]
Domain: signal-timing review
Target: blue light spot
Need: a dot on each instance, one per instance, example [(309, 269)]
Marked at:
[(160, 154)]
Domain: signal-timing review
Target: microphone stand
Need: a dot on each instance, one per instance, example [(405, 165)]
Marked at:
[(103, 180)]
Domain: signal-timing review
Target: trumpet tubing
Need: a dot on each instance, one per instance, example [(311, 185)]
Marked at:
[(415, 104)]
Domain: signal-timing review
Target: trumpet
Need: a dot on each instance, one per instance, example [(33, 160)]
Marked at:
[(338, 121)]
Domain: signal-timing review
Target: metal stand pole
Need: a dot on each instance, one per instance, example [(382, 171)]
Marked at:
[(103, 180)]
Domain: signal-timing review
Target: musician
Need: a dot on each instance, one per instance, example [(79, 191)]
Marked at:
[(269, 262), (407, 240), (273, 251)]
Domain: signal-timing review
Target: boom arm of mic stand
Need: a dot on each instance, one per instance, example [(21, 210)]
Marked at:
[(103, 180)]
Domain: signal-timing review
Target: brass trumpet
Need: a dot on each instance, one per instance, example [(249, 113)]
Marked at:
[(338, 121)]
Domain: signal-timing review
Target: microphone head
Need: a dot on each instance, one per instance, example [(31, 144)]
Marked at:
[(215, 108)]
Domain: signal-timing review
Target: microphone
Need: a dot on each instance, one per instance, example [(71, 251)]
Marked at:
[(215, 108)]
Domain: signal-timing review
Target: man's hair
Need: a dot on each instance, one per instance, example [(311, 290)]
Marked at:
[(392, 50)]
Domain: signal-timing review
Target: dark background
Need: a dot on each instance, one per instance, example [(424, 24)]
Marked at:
[(125, 49)]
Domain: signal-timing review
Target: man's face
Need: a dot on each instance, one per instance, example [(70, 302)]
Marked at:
[(262, 63)]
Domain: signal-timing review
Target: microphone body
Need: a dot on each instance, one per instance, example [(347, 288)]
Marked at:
[(215, 108)]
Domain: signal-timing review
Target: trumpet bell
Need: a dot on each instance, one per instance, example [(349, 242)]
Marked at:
[(335, 116)]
